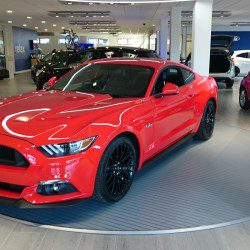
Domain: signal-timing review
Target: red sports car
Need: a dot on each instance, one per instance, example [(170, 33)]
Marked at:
[(244, 97), (92, 131)]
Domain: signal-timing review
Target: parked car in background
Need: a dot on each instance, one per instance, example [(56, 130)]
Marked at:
[(242, 62), (72, 61), (244, 96), (52, 59), (222, 67), (95, 128)]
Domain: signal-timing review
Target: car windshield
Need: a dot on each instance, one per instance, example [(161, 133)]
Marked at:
[(117, 80)]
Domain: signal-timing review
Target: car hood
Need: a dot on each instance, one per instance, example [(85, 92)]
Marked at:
[(54, 115)]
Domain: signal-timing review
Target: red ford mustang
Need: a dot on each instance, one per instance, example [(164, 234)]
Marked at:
[(93, 130)]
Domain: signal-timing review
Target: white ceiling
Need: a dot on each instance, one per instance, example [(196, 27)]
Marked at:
[(130, 17)]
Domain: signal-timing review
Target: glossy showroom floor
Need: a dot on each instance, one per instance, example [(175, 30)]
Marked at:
[(196, 186)]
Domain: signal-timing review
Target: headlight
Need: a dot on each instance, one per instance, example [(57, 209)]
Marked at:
[(63, 149)]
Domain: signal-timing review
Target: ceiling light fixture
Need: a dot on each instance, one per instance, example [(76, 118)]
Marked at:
[(54, 25), (45, 29), (24, 25), (57, 16), (43, 21), (9, 11), (29, 17), (36, 28), (9, 21), (124, 1)]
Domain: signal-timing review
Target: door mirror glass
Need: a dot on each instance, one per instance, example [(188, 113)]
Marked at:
[(170, 89)]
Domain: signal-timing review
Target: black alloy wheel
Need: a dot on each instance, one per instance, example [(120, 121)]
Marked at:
[(243, 99), (116, 170), (207, 123)]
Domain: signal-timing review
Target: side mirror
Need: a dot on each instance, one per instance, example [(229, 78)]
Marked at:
[(170, 89), (50, 83)]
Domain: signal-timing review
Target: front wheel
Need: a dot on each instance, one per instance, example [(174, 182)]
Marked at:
[(243, 99), (116, 170), (206, 128)]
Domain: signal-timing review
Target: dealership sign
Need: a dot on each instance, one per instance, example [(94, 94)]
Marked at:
[(19, 49)]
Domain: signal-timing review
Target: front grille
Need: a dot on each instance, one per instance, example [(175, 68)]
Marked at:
[(12, 187), (11, 157)]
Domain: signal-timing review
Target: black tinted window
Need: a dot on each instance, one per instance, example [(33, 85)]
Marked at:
[(118, 80), (188, 76), (243, 55)]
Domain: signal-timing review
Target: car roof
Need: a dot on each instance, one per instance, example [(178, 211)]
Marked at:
[(156, 63), (119, 48)]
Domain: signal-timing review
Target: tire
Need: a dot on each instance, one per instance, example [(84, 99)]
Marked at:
[(206, 128), (237, 71), (40, 84), (229, 83), (116, 170), (243, 99)]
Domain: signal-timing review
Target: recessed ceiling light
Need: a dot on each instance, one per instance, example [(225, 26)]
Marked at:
[(87, 16), (54, 25), (57, 16), (91, 3), (69, 3), (63, 28), (153, 25), (72, 16), (9, 11), (45, 29), (36, 28), (9, 21), (24, 25), (29, 17), (43, 21)]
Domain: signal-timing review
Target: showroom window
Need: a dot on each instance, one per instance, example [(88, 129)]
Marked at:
[(122, 41), (44, 40), (61, 40), (93, 41)]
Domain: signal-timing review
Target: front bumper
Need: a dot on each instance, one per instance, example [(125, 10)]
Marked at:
[(79, 170)]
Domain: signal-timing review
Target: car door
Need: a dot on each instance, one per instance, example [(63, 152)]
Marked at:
[(242, 60), (173, 114)]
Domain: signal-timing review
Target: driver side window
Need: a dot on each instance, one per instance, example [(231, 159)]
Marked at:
[(172, 75)]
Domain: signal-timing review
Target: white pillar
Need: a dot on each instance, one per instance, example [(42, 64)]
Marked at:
[(175, 34), (158, 41), (163, 37), (201, 36), (184, 43), (9, 49)]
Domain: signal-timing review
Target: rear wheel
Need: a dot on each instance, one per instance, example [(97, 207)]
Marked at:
[(243, 99), (207, 122), (229, 83), (116, 170)]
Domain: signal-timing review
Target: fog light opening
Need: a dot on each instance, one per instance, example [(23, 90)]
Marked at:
[(55, 187)]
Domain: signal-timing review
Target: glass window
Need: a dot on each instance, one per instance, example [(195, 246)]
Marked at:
[(188, 76), (122, 41), (93, 41), (61, 40), (117, 80), (243, 55), (44, 40), (171, 75), (102, 41)]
